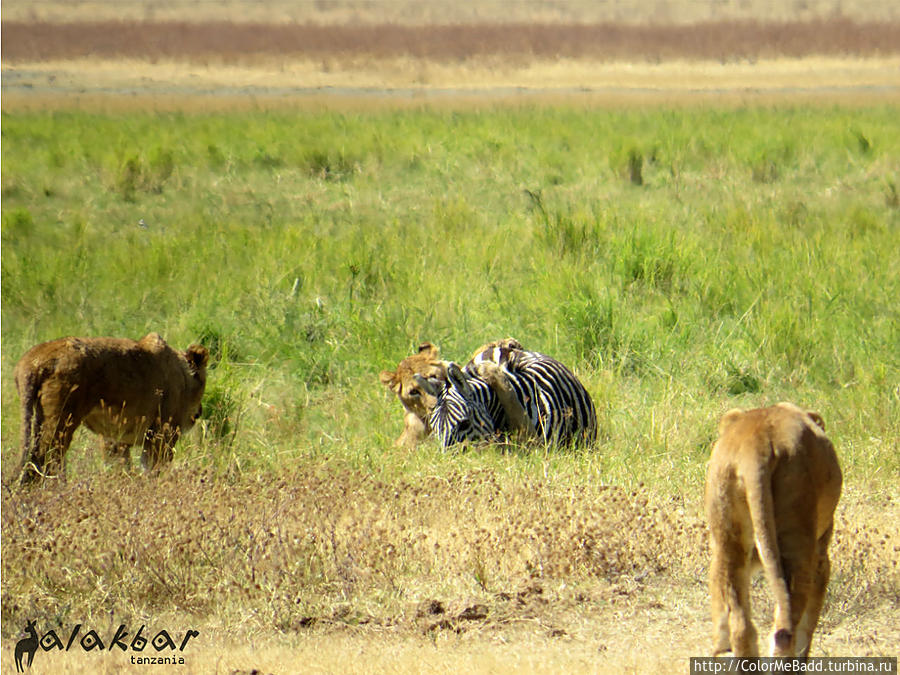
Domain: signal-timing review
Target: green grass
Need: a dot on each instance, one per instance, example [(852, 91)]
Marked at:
[(681, 261)]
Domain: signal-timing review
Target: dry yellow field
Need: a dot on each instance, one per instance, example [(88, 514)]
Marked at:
[(174, 85)]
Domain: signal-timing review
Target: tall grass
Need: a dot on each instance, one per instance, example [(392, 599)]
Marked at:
[(755, 260)]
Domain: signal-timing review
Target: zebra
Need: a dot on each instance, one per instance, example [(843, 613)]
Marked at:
[(467, 409), (518, 390)]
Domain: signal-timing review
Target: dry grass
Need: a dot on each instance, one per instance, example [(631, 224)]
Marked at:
[(479, 567), (290, 550), (795, 75), (419, 12)]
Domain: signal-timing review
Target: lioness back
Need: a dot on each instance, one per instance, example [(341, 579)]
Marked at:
[(772, 485)]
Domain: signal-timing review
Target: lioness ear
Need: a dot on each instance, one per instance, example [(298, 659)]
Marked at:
[(197, 357), (728, 419), (817, 418), (388, 378), (429, 349)]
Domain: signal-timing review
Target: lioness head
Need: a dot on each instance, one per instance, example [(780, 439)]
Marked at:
[(417, 401), (196, 357)]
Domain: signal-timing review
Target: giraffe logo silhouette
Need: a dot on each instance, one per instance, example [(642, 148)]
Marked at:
[(27, 645)]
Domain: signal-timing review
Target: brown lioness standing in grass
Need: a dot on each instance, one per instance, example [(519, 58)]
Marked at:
[(127, 392), (772, 485)]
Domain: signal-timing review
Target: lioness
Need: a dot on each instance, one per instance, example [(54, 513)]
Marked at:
[(417, 402), (772, 485), (127, 392)]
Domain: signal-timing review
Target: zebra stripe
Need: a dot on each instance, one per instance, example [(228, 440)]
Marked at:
[(556, 403)]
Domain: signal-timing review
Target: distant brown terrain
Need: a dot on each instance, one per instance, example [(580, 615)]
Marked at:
[(231, 42)]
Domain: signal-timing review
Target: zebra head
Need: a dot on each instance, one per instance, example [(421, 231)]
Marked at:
[(461, 413)]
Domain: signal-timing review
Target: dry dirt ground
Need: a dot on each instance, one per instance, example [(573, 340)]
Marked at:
[(636, 629), (629, 628), (485, 577), (68, 58), (417, 12)]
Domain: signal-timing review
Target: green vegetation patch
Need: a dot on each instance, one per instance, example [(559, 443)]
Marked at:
[(680, 261)]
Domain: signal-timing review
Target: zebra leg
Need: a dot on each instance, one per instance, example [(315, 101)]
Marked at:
[(519, 423)]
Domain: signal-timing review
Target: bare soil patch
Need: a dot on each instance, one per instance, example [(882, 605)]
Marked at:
[(231, 42), (182, 64)]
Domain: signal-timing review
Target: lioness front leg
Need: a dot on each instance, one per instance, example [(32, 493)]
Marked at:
[(117, 454), (519, 424), (159, 448), (414, 430)]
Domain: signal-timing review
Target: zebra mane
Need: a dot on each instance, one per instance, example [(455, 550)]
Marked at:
[(500, 352)]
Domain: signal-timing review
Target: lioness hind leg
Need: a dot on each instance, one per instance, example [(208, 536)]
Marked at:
[(721, 637), (32, 465), (806, 626), (799, 560), (729, 589), (56, 417), (53, 436), (493, 374)]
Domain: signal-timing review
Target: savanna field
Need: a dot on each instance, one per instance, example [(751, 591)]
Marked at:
[(682, 258)]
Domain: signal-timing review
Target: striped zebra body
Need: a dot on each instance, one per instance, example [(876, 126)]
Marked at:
[(556, 403), (557, 406)]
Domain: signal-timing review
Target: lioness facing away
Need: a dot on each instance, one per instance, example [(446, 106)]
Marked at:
[(128, 392), (772, 485)]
